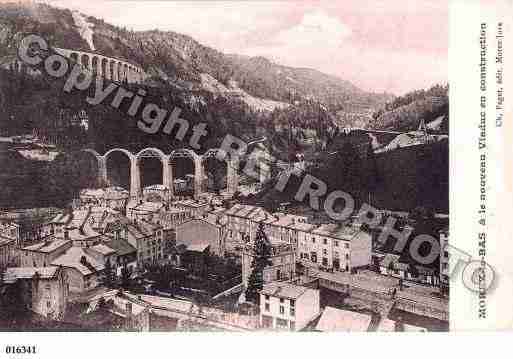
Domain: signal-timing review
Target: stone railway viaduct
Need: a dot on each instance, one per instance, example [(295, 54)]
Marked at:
[(232, 177), (108, 67)]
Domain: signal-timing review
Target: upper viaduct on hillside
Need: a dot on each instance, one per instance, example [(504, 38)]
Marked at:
[(109, 67)]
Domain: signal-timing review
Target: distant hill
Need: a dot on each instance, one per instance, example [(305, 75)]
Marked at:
[(177, 58), (405, 112), (401, 113)]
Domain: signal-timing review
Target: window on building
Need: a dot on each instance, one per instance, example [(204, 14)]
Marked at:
[(325, 252), (267, 307), (282, 300), (336, 263), (292, 303), (292, 325), (313, 240), (282, 323), (267, 321), (313, 257), (292, 312), (325, 241), (48, 304), (347, 256), (266, 297), (282, 309), (346, 245), (336, 243), (325, 261)]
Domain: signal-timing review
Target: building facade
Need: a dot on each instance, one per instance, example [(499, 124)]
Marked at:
[(44, 290), (341, 247), (285, 306), (148, 239), (10, 230), (444, 259), (337, 247), (126, 255), (283, 263), (8, 252), (82, 271), (42, 254)]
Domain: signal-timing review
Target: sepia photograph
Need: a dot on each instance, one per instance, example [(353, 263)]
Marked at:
[(224, 166)]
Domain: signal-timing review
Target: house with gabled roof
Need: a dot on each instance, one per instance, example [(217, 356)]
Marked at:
[(42, 254), (83, 272)]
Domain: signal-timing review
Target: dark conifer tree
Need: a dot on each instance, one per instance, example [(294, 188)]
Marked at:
[(261, 260)]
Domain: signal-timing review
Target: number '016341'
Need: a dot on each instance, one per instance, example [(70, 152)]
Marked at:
[(20, 349)]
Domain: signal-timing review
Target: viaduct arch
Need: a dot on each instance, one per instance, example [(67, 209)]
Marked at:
[(167, 168)]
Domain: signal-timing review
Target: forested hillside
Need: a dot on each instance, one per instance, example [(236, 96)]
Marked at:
[(178, 58), (233, 92), (296, 110), (404, 112)]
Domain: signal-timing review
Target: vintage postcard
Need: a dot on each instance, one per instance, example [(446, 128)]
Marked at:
[(254, 166)]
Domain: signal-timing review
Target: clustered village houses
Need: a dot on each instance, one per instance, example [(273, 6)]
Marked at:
[(68, 254)]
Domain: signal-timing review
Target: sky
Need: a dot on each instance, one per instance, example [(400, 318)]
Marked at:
[(392, 46)]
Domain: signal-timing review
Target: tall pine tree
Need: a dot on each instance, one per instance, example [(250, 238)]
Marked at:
[(261, 260)]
